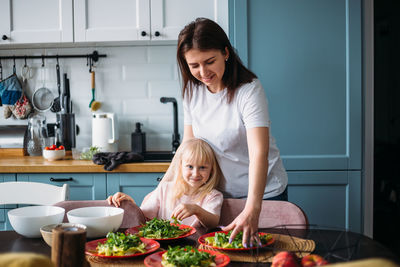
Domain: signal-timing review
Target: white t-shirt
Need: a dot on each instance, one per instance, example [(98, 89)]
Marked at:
[(224, 125), (157, 204)]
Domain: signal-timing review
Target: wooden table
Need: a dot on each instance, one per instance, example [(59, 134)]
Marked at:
[(337, 246)]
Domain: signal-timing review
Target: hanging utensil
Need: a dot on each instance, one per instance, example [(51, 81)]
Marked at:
[(93, 105), (42, 98), (56, 107)]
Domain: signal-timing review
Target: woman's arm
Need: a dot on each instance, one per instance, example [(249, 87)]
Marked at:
[(208, 219), (247, 221)]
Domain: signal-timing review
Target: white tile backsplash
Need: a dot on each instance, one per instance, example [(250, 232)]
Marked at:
[(129, 82)]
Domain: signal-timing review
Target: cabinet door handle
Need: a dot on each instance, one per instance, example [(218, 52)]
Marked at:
[(61, 179), (143, 33), (157, 33), (159, 178), (4, 37)]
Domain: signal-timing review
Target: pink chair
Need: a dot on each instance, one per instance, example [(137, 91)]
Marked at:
[(133, 215), (273, 213)]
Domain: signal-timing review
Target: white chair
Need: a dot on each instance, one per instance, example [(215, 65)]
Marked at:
[(32, 193)]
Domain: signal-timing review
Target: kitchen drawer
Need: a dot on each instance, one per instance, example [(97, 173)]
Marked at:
[(82, 186), (8, 177), (137, 185), (4, 222)]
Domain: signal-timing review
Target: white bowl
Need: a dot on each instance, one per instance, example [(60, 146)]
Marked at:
[(27, 221), (53, 154), (47, 230), (99, 220)]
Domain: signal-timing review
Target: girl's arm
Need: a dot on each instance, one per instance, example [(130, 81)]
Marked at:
[(247, 221), (118, 197), (208, 219)]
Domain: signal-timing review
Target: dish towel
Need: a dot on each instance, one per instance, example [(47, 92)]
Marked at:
[(111, 160), (10, 93)]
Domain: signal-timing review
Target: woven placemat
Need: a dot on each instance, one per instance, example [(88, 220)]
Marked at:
[(300, 246), (104, 262)]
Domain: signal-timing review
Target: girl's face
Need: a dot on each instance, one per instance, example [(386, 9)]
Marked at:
[(208, 67), (195, 174)]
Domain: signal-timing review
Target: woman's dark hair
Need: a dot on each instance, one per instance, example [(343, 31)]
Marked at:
[(205, 34)]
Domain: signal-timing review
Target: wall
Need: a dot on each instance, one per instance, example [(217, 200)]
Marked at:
[(129, 82)]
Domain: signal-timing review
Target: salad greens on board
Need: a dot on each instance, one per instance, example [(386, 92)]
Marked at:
[(187, 257), (162, 229), (119, 244), (221, 239)]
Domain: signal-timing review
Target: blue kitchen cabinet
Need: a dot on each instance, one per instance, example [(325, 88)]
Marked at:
[(4, 222), (329, 199), (308, 57), (82, 186), (137, 185)]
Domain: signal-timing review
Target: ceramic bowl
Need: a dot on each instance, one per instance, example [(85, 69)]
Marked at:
[(99, 220), (53, 154), (27, 221), (47, 230)]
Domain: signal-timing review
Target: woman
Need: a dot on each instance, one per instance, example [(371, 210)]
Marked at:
[(225, 104)]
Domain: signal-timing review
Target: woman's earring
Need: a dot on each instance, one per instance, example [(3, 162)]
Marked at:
[(226, 59)]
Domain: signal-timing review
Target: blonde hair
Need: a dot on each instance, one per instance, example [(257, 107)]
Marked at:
[(200, 152)]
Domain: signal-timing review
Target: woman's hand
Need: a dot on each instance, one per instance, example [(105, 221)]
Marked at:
[(246, 221), (117, 198), (182, 211)]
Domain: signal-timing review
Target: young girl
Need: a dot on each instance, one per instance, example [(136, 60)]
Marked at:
[(191, 197)]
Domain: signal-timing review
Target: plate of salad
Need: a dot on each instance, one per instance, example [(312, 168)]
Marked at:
[(186, 256), (119, 245), (160, 229), (220, 240)]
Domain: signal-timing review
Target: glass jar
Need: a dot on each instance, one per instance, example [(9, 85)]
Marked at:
[(37, 135)]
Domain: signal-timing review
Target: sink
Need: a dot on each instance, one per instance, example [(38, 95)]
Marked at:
[(158, 156)]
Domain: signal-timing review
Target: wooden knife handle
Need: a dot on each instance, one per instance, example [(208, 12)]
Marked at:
[(93, 78)]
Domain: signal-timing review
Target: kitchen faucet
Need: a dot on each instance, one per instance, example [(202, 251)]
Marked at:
[(175, 136)]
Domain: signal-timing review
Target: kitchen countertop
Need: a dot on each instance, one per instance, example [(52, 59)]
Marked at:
[(27, 164)]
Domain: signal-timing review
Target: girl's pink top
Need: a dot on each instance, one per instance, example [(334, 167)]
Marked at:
[(157, 203)]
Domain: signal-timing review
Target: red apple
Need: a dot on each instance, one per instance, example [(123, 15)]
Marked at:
[(313, 260), (285, 259)]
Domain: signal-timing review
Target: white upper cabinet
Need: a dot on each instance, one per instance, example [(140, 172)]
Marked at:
[(61, 21), (131, 20), (38, 21), (168, 17), (117, 20)]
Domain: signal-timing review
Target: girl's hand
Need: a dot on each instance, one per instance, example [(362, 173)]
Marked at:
[(246, 221), (183, 211), (117, 198)]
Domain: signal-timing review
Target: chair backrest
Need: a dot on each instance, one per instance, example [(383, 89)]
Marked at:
[(32, 193), (273, 213)]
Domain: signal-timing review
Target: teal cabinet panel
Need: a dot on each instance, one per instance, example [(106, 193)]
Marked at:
[(137, 185), (83, 186), (7, 177), (4, 222), (329, 199), (308, 56)]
